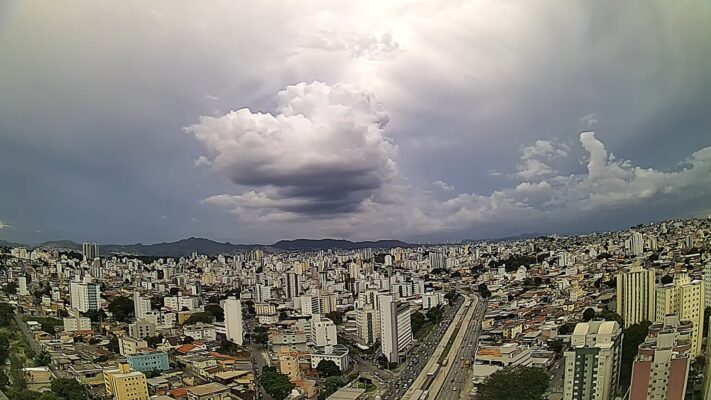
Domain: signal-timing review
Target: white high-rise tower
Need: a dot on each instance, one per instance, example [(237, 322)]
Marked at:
[(233, 320)]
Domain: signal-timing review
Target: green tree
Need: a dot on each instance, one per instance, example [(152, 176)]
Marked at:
[(566, 329), (154, 373), (7, 314), (484, 290), (261, 338), (451, 296), (634, 335), (4, 379), (113, 345), (19, 381), (217, 312), (667, 279), (204, 317), (68, 389), (417, 321), (47, 323), (49, 396), (434, 314), (4, 349), (10, 288), (328, 368), (24, 394), (588, 314), (154, 341), (122, 308), (276, 384), (42, 359), (556, 345), (336, 317), (515, 383), (95, 315), (608, 315), (331, 385)]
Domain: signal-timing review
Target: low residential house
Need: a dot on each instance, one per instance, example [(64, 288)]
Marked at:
[(38, 378), (146, 361), (129, 345), (200, 331), (512, 330), (209, 391)]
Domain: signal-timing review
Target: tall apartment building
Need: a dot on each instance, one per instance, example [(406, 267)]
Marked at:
[(233, 320), (592, 363), (437, 259), (262, 293), (707, 372), (395, 329), (661, 368), (635, 244), (124, 384), (321, 331), (707, 285), (309, 305), (292, 284), (89, 250), (368, 325), (84, 296), (369, 296), (22, 286), (684, 298), (328, 302), (141, 305), (636, 295)]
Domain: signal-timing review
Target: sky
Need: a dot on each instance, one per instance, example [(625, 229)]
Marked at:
[(425, 121)]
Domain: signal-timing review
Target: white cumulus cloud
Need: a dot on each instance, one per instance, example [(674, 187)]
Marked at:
[(323, 151), (444, 186)]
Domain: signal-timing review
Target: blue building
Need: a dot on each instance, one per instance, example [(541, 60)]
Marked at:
[(148, 361)]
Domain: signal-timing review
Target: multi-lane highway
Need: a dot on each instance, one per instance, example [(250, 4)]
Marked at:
[(435, 380), (460, 372), (418, 358)]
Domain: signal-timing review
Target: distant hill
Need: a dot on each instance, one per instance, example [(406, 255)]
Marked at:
[(5, 243), (325, 244), (59, 245), (186, 247), (181, 248)]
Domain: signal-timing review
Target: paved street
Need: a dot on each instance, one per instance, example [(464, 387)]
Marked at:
[(460, 371), (419, 357)]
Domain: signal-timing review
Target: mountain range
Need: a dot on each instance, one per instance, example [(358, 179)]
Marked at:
[(186, 247)]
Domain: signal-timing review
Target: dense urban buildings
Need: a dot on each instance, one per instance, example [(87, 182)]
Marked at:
[(598, 316)]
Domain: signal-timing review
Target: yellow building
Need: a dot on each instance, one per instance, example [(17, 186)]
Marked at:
[(124, 384), (289, 363), (183, 316), (685, 298)]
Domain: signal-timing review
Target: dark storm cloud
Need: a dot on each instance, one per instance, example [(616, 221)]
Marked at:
[(323, 152)]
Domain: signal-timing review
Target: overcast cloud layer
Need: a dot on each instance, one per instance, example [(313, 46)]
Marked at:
[(253, 122)]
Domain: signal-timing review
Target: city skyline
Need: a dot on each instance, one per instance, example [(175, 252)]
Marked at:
[(253, 126)]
